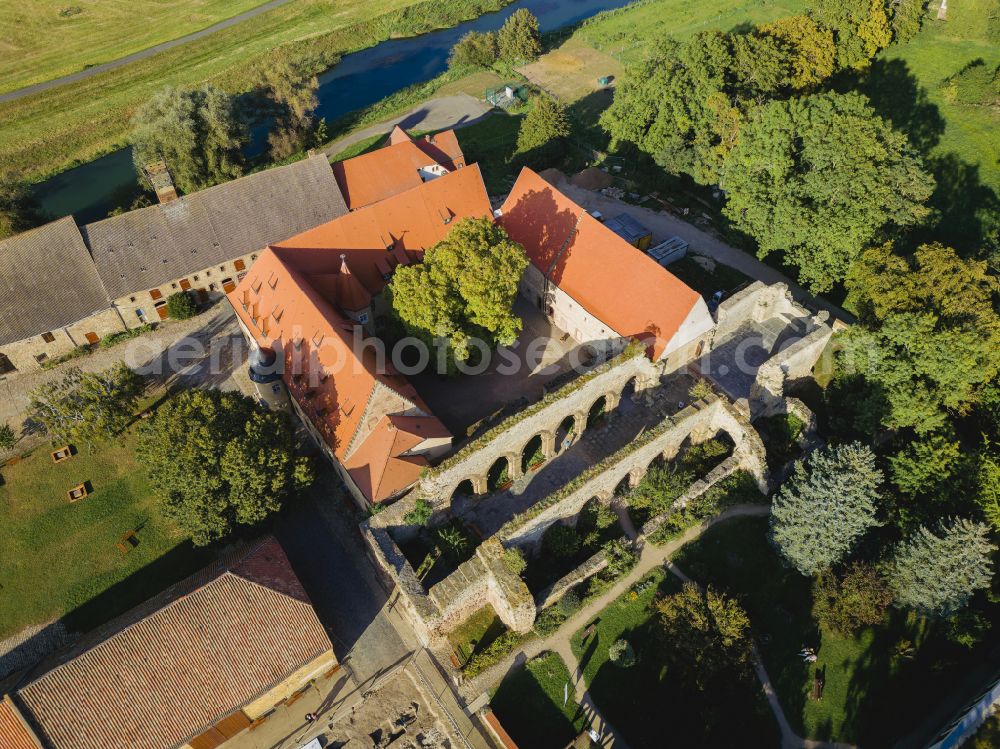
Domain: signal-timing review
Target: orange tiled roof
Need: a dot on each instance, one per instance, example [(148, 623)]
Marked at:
[(408, 223), (617, 283), (380, 466), (443, 148), (13, 734), (371, 177), (165, 672), (292, 300)]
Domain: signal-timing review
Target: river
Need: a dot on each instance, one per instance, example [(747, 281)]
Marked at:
[(360, 79)]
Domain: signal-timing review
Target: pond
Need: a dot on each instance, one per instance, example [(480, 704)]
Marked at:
[(360, 79)]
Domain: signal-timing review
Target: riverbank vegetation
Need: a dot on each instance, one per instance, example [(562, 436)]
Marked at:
[(54, 130)]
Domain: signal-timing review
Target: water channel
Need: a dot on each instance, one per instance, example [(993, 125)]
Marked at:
[(360, 79)]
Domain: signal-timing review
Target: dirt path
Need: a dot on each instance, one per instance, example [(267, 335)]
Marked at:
[(140, 55), (650, 557)]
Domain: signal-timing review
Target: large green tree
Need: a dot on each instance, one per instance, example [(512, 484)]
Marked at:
[(930, 333), (675, 106), (18, 207), (936, 572), (818, 178), (464, 288), (197, 132), (861, 27), (808, 48), (218, 460), (544, 128), (87, 406), (293, 93), (704, 636), (858, 598), (830, 500), (518, 39)]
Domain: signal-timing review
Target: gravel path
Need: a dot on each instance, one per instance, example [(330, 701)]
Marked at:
[(140, 55), (443, 112)]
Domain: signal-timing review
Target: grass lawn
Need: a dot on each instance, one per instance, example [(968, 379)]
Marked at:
[(60, 558), (52, 131), (648, 706), (628, 33), (872, 696), (529, 704), (491, 143), (46, 39), (476, 633), (706, 283)]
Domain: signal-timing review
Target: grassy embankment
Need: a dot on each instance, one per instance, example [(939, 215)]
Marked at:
[(52, 131), (47, 39)]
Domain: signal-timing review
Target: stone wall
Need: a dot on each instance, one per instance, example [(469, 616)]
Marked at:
[(756, 303), (507, 440), (796, 362), (726, 468), (698, 422), (24, 354), (582, 572)]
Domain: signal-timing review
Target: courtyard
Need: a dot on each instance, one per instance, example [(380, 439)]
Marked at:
[(515, 376)]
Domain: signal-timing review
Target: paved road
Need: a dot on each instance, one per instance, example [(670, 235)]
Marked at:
[(443, 112), (663, 226), (140, 55)]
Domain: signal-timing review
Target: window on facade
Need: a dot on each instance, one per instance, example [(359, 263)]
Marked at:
[(185, 284), (363, 318), (48, 337), (222, 269), (6, 366), (41, 357), (131, 298), (173, 286), (240, 265), (194, 278), (155, 294)]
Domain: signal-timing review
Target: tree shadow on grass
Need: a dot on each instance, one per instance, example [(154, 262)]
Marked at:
[(965, 209)]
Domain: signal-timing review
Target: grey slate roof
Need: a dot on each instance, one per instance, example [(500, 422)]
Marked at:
[(148, 247), (47, 281)]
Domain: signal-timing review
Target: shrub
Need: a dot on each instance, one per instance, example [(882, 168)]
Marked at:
[(621, 557), (499, 649), (621, 654), (7, 437), (115, 338), (859, 598), (976, 84), (420, 513), (180, 306), (701, 389), (560, 541), (474, 50), (513, 559)]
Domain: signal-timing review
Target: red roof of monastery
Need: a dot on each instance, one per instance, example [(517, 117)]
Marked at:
[(294, 298), (168, 670), (392, 169), (13, 734), (617, 283)]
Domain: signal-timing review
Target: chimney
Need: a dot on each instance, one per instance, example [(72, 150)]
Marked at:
[(159, 177)]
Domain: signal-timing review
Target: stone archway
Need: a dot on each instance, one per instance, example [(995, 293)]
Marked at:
[(465, 488), (533, 453), (500, 474), (597, 411), (566, 433)]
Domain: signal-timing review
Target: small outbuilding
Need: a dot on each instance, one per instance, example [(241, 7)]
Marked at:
[(630, 230), (669, 250)]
